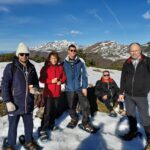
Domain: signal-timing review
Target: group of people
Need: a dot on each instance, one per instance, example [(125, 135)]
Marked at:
[(20, 83)]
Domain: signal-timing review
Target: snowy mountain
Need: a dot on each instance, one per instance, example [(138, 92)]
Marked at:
[(109, 50), (56, 45), (76, 139)]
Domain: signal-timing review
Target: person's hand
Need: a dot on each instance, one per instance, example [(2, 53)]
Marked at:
[(10, 106), (105, 97), (84, 92), (55, 80), (33, 90), (121, 98), (59, 83)]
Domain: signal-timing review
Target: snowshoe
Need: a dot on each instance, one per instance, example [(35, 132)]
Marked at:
[(44, 137), (72, 124), (131, 135), (88, 128), (31, 145)]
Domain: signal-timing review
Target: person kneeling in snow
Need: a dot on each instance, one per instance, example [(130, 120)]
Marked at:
[(107, 91), (19, 83)]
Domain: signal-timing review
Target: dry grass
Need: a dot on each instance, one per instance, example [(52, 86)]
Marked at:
[(3, 110)]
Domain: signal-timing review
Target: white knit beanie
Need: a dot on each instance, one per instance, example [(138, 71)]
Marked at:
[(22, 48)]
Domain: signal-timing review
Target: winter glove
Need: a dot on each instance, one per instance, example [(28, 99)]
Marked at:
[(10, 106)]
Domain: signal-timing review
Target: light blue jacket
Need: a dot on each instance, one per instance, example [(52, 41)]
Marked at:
[(76, 75)]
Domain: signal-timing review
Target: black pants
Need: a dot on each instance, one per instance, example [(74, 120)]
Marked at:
[(141, 103), (73, 98), (13, 124), (50, 113), (110, 103)]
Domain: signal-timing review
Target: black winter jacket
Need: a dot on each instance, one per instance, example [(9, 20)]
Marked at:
[(15, 84), (106, 88), (136, 82)]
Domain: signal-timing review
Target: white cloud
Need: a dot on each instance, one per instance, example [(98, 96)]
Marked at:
[(71, 18), (4, 9), (146, 15), (94, 12), (75, 32), (148, 1), (112, 13), (27, 1), (60, 34)]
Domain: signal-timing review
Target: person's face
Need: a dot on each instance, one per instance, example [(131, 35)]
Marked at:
[(72, 52), (135, 51), (53, 60), (23, 57), (106, 75)]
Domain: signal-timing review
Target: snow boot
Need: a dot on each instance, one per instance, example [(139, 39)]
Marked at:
[(44, 137), (130, 135), (72, 124), (88, 128), (32, 146), (9, 148), (113, 114)]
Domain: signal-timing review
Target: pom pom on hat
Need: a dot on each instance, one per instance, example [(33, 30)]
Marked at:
[(22, 48)]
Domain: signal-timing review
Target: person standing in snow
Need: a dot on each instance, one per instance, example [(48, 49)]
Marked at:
[(76, 88), (107, 91), (52, 75), (134, 88), (19, 83)]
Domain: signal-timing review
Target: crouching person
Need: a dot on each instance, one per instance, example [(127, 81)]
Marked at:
[(19, 81), (107, 91), (52, 75)]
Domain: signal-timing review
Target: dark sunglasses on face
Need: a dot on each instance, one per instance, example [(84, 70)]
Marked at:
[(22, 54), (72, 50), (106, 75)]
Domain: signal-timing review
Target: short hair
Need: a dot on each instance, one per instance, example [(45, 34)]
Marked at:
[(135, 43), (106, 71), (72, 45)]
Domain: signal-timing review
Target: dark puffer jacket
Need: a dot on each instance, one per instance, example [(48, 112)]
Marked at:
[(15, 86), (106, 88), (136, 82)]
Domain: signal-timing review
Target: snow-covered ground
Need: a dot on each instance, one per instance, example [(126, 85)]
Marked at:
[(76, 139)]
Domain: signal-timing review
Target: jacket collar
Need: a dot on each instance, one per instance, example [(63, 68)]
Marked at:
[(129, 60), (110, 80)]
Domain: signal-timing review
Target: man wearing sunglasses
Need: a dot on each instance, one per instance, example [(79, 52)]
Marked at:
[(107, 91), (18, 86), (134, 88), (76, 88)]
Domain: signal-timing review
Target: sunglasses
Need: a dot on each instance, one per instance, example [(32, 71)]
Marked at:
[(24, 54), (72, 50), (106, 75)]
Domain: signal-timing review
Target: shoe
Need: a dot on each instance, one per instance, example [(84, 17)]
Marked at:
[(130, 135), (122, 112), (44, 136), (72, 124), (32, 146), (113, 114), (9, 148), (147, 146), (88, 127)]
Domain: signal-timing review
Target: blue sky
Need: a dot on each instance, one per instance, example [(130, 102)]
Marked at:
[(83, 21)]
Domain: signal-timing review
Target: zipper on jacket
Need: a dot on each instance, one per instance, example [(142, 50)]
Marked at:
[(133, 80), (55, 77)]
